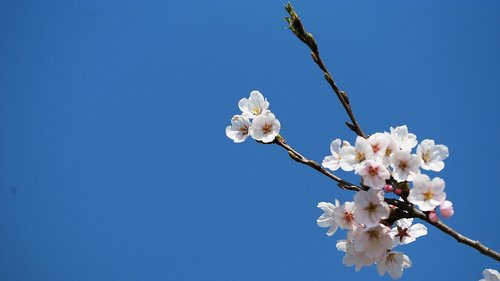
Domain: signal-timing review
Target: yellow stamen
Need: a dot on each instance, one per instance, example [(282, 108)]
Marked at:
[(428, 195), (267, 128)]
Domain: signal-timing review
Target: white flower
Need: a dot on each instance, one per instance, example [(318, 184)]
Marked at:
[(432, 155), (374, 174), (333, 162), (427, 194), (253, 106), (351, 257), (405, 232), (326, 219), (238, 130), (373, 241), (370, 207), (446, 209), (344, 215), (490, 275), (383, 145), (393, 263), (403, 139), (354, 155), (265, 127), (405, 165)]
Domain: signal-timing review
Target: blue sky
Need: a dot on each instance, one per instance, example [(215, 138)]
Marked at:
[(115, 166)]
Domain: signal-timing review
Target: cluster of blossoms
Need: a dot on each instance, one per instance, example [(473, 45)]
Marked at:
[(386, 165), (256, 120)]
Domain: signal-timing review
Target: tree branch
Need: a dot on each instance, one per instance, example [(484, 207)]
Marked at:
[(405, 209), (297, 28), (295, 155), (414, 213)]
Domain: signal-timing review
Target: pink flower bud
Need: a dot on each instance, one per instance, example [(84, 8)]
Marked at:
[(388, 188), (446, 209), (433, 217), (397, 191)]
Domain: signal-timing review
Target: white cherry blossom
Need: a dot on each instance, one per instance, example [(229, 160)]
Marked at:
[(355, 155), (432, 155), (373, 241), (406, 141), (490, 275), (374, 174), (327, 219), (344, 215), (405, 166), (238, 130), (393, 263), (446, 209), (351, 257), (370, 207), (333, 162), (405, 232), (265, 127), (253, 106), (427, 194), (383, 145)]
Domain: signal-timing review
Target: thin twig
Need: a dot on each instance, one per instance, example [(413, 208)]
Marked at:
[(295, 155), (298, 29)]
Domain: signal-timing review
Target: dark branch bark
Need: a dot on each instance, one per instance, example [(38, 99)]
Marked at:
[(297, 28), (279, 140)]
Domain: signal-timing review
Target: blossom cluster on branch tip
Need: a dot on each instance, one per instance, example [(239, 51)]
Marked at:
[(255, 120), (386, 165)]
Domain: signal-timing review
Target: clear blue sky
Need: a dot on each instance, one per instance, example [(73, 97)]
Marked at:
[(114, 164)]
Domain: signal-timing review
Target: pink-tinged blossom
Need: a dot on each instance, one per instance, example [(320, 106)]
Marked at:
[(355, 155), (238, 130), (446, 209), (332, 162), (405, 232), (253, 106), (405, 166), (265, 127), (405, 141), (373, 241), (370, 207), (344, 215), (383, 145), (374, 174), (427, 194), (351, 257), (490, 275), (393, 263), (432, 155), (433, 217), (327, 219)]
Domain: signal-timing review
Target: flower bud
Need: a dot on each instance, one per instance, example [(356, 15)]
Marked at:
[(433, 217), (446, 209), (388, 188), (397, 191)]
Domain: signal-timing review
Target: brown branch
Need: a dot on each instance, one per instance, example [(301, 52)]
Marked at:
[(404, 209), (297, 28), (411, 212), (295, 155)]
